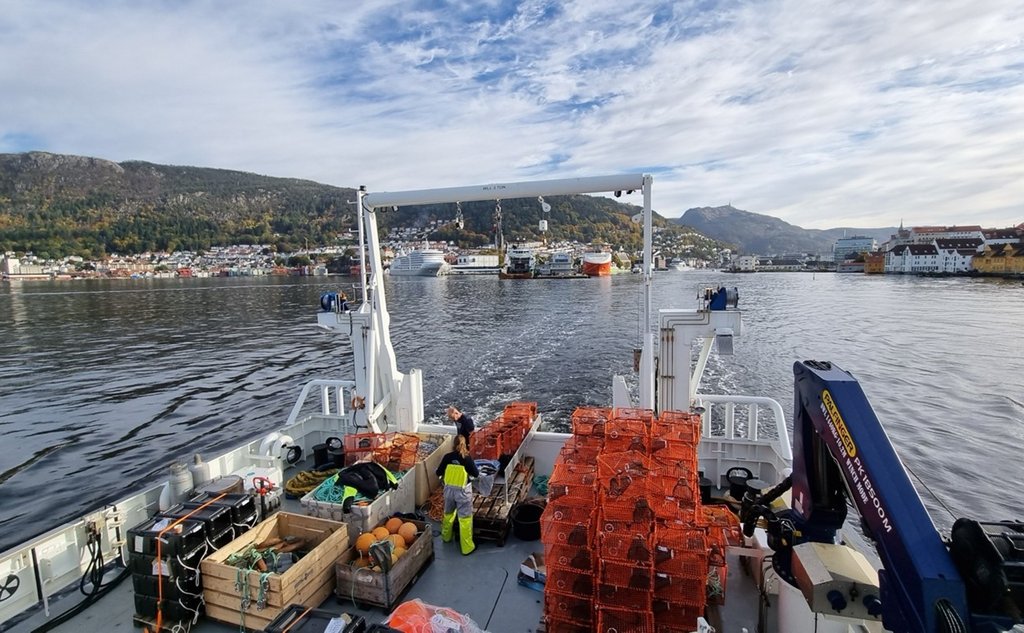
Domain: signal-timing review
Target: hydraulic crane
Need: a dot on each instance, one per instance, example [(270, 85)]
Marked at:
[(973, 582)]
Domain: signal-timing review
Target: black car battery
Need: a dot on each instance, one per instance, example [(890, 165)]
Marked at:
[(175, 537), (183, 609), (244, 514), (215, 518)]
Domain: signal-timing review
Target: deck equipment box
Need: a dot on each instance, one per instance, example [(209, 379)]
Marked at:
[(235, 598), (426, 479), (299, 619), (384, 589), (363, 518)]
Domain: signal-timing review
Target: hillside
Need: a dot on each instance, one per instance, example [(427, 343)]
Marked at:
[(763, 234), (56, 205)]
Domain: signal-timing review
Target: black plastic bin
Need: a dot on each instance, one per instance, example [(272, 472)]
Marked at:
[(526, 521), (297, 619)]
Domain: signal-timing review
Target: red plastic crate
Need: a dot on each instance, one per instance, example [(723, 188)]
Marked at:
[(610, 464), (639, 415), (675, 618), (684, 487), (577, 534), (669, 451), (671, 509), (571, 557), (624, 597), (556, 625), (570, 582), (627, 508), (680, 538), (680, 590), (363, 441), (589, 420), (569, 608), (680, 563), (623, 574), (625, 546), (624, 620)]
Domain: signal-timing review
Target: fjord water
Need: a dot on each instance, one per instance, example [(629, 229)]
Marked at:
[(106, 382)]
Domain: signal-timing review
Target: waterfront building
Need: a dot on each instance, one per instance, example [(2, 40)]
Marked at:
[(912, 258), (847, 247), (744, 264), (1001, 259), (874, 263), (955, 254)]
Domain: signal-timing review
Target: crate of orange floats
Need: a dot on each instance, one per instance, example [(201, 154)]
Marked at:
[(254, 598), (359, 580)]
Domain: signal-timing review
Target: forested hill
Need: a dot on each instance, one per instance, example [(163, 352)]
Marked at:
[(56, 205)]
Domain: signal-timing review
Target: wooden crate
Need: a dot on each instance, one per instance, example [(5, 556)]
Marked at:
[(362, 585), (308, 582), (491, 513)]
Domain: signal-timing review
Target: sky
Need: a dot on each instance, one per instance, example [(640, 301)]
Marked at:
[(824, 114)]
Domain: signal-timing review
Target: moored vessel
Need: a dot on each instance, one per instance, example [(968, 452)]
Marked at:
[(597, 263), (420, 262)]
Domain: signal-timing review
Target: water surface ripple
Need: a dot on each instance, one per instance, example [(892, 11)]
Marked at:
[(107, 382)]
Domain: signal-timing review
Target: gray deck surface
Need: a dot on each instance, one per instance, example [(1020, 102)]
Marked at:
[(482, 585)]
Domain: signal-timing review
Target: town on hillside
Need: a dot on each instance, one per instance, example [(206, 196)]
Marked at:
[(922, 250)]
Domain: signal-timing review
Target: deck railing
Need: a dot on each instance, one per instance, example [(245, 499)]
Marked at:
[(332, 392), (724, 407)]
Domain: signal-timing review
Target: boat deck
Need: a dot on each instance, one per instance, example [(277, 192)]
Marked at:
[(482, 585)]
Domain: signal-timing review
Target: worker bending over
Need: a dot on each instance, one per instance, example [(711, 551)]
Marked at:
[(455, 470)]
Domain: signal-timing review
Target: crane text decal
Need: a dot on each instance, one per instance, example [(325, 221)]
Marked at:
[(857, 476)]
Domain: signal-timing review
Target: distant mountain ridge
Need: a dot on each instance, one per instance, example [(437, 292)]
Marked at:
[(755, 233), (56, 205)]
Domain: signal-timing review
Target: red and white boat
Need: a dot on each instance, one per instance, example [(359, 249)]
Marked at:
[(597, 263)]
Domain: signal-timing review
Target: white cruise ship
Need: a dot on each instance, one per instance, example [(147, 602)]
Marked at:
[(422, 262)]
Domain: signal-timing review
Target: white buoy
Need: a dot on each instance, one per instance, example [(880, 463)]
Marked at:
[(543, 225)]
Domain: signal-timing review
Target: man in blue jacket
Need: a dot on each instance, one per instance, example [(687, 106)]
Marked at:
[(463, 422)]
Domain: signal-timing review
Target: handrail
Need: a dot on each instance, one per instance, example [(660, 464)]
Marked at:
[(753, 402), (325, 398)]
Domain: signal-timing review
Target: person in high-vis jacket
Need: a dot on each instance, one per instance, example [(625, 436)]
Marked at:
[(455, 470)]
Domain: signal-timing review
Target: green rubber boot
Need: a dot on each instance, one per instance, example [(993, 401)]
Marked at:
[(466, 535), (446, 527)]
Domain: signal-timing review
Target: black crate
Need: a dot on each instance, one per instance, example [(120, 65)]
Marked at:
[(185, 537), (183, 570), (181, 610), (214, 518), (146, 585), (244, 514), (297, 619)]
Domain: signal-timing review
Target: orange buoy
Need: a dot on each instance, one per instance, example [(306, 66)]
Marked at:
[(381, 533), (397, 540), (408, 532), (364, 542), (393, 524)]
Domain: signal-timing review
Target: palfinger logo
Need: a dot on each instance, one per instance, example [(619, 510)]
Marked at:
[(837, 421)]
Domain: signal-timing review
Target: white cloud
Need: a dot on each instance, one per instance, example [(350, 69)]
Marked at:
[(823, 114)]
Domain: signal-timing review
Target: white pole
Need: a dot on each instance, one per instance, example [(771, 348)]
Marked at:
[(360, 194), (647, 355)]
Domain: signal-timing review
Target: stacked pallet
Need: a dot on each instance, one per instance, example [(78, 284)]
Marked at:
[(627, 544)]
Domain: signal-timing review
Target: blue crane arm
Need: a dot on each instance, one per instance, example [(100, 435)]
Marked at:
[(839, 440)]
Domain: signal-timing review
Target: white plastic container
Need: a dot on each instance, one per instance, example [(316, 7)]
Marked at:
[(365, 518)]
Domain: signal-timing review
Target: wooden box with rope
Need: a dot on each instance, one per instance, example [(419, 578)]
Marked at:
[(359, 584), (240, 585)]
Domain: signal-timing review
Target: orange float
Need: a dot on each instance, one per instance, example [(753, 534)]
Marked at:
[(393, 524), (408, 532)]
